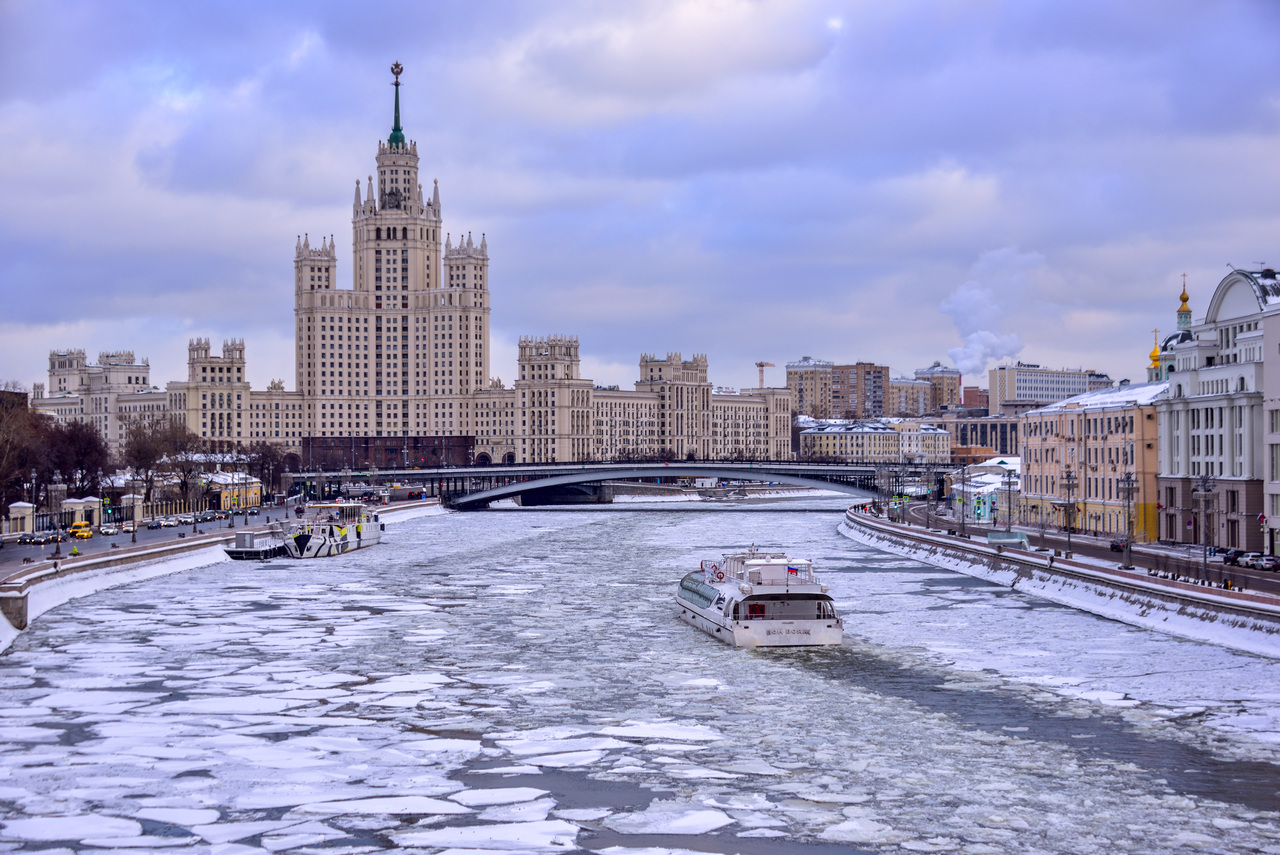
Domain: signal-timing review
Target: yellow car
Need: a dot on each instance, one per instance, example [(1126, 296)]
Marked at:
[(80, 531)]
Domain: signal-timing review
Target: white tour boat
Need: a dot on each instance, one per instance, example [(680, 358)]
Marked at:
[(760, 599)]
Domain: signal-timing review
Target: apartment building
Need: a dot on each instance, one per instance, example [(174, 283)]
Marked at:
[(1100, 437)]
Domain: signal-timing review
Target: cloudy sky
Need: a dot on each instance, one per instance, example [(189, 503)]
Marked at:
[(897, 182)]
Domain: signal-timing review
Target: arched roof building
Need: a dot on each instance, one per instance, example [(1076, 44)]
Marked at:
[(1212, 433)]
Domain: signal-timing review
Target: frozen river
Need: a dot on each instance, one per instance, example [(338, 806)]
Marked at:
[(516, 680)]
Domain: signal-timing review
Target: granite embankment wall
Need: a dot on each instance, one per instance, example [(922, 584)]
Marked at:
[(33, 590), (1239, 620)]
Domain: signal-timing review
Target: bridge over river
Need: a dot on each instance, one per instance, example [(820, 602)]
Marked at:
[(473, 488)]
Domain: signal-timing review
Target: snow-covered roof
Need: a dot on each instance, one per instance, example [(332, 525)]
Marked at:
[(1136, 394), (850, 427), (238, 479)]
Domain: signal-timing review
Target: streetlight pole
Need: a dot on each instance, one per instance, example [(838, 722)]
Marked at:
[(1128, 487), (1008, 499), (964, 497), (1069, 484), (1204, 486)]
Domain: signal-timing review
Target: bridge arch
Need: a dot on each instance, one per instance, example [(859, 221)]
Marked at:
[(482, 498)]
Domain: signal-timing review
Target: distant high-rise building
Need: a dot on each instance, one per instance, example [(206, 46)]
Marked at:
[(945, 383), (858, 391), (810, 381), (908, 397), (1022, 385)]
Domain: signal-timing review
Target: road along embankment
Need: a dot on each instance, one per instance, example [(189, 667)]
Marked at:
[(1238, 620), (30, 592)]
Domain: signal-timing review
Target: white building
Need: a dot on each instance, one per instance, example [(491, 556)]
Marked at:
[(1218, 416), (1020, 386), (107, 394)]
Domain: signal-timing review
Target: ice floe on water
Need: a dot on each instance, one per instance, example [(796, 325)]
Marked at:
[(501, 683)]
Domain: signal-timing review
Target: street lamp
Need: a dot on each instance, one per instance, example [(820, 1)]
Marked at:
[(1204, 487), (1009, 478), (1069, 484), (964, 497), (1128, 487), (57, 540)]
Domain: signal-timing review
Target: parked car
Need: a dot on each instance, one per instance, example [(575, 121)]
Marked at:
[(108, 530), (155, 523), (1248, 558), (130, 527), (1232, 556), (1267, 562)]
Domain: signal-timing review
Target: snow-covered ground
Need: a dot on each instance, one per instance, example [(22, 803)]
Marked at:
[(518, 681)]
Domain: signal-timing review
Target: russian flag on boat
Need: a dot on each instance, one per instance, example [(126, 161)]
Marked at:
[(794, 571)]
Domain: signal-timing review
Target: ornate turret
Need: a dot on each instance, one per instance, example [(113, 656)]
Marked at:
[(397, 135), (1184, 310)]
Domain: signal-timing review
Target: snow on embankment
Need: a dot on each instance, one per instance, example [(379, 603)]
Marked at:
[(53, 592), (48, 593), (429, 508), (1238, 621)]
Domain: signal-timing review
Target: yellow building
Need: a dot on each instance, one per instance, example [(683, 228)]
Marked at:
[(227, 490), (1100, 437)]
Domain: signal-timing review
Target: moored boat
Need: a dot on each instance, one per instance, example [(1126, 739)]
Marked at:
[(323, 529), (332, 528), (760, 599)]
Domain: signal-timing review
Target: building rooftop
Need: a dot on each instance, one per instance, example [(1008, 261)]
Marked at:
[(1140, 394)]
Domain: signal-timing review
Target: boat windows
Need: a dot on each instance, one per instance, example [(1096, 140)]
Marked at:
[(698, 593), (783, 607)]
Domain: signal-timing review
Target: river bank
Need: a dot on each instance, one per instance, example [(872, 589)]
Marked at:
[(1237, 620)]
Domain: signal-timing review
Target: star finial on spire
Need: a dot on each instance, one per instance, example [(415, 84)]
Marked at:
[(397, 135)]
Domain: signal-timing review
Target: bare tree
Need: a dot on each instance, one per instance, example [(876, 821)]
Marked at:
[(266, 462), (183, 455), (144, 449)]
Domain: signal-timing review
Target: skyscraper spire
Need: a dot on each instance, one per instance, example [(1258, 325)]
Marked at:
[(397, 135)]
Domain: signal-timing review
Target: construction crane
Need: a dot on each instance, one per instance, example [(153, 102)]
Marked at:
[(762, 366)]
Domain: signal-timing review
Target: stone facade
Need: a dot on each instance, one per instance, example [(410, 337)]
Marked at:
[(944, 386), (107, 394), (908, 397), (1216, 424), (1100, 436), (810, 382), (214, 399)]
